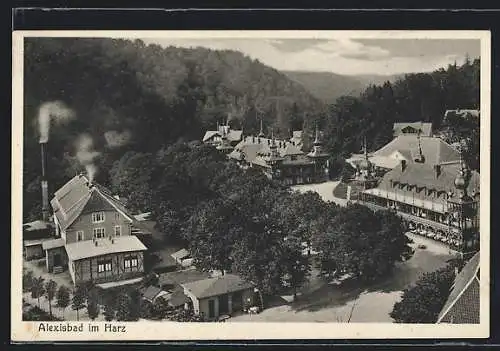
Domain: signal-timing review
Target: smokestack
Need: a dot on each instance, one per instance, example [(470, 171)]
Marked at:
[(45, 185)]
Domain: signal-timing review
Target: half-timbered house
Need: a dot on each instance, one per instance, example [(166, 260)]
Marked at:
[(95, 237)]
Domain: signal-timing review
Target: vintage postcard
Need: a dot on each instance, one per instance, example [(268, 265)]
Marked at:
[(233, 185)]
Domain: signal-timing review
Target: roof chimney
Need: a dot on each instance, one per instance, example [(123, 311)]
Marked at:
[(403, 165), (437, 169)]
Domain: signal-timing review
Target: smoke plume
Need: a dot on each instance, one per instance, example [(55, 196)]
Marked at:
[(86, 155), (116, 139), (52, 112)]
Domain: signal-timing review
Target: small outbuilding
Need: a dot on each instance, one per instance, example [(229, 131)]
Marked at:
[(222, 295)]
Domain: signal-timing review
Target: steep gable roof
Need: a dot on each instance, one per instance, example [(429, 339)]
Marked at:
[(78, 196), (435, 150), (216, 286), (463, 281)]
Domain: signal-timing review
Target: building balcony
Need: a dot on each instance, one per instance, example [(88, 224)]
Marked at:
[(413, 218)]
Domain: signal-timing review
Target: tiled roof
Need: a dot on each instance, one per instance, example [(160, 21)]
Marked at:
[(424, 175), (435, 150), (36, 225), (251, 147), (78, 196), (150, 292), (182, 276), (217, 286), (209, 134), (182, 253), (52, 244), (232, 135), (425, 128), (178, 298), (466, 280), (85, 249), (35, 242), (384, 161)]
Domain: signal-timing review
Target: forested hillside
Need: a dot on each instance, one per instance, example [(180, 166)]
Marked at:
[(415, 97), (129, 96), (328, 86), (126, 99)]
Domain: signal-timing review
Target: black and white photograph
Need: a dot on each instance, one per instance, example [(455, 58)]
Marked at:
[(236, 179)]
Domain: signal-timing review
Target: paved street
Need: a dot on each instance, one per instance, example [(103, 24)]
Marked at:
[(328, 303), (325, 190)]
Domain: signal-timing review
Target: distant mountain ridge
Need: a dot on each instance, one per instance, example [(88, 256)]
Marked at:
[(328, 86)]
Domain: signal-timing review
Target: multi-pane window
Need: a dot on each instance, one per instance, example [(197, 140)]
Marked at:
[(99, 233), (118, 230), (97, 217), (79, 235), (104, 266), (130, 262)]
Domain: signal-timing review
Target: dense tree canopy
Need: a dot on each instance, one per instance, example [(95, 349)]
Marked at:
[(360, 242), (415, 97), (423, 301), (132, 97)]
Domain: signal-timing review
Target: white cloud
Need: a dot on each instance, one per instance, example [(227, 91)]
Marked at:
[(343, 56)]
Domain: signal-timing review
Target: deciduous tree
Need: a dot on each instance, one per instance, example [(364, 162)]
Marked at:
[(422, 302), (50, 292), (63, 298), (93, 308), (78, 300), (37, 289)]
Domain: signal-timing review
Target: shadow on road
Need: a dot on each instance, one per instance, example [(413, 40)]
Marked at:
[(403, 275)]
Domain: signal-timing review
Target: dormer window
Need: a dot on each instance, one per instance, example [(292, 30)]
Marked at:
[(97, 217)]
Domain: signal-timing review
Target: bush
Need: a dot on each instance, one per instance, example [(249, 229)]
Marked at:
[(37, 314)]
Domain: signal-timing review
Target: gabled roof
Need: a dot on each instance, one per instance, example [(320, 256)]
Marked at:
[(182, 253), (78, 196), (85, 249), (232, 135), (424, 128), (463, 281), (435, 150), (217, 286), (210, 134)]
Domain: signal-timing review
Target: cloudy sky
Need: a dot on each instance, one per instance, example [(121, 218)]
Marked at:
[(343, 56)]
